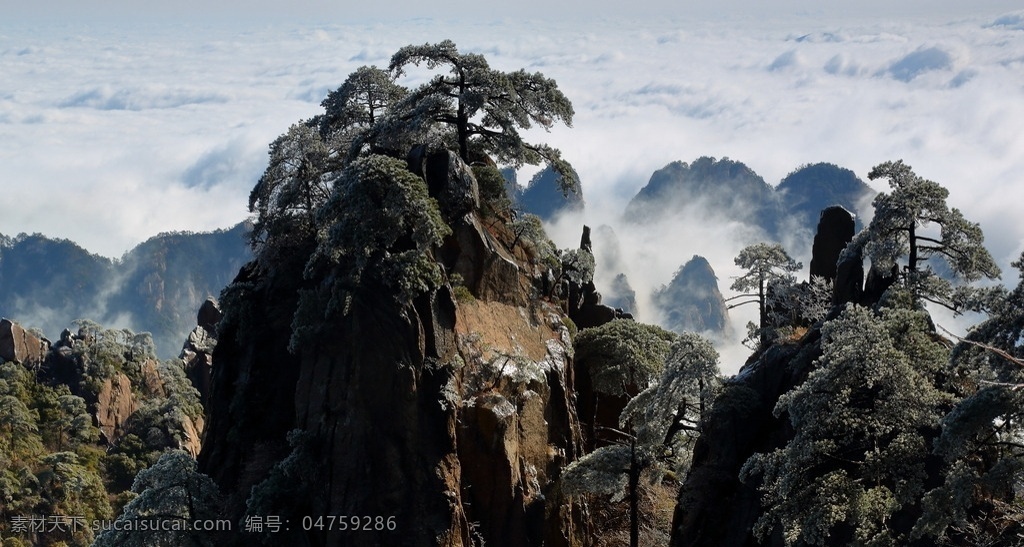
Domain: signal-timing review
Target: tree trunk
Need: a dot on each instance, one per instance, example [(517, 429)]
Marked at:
[(764, 311), (634, 495), (462, 125), (912, 240)]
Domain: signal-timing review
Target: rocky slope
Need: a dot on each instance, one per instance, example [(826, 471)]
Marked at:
[(452, 412)]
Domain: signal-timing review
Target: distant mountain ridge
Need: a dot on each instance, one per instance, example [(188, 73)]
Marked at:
[(812, 188), (156, 287), (727, 188), (712, 191), (715, 184)]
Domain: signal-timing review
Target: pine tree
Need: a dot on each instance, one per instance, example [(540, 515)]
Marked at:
[(855, 468), (172, 496), (484, 108), (766, 264), (904, 228), (981, 441), (658, 426), (296, 182)]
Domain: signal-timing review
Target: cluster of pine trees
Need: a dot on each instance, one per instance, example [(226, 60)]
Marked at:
[(62, 480)]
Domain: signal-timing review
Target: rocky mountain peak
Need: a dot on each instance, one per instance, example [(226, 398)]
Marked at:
[(451, 410), (692, 301)]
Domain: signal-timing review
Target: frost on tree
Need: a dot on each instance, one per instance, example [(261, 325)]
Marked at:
[(381, 229), (361, 101), (657, 427), (296, 182), (666, 417), (982, 436), (173, 494), (766, 265), (913, 227), (623, 356), (480, 110), (856, 467)]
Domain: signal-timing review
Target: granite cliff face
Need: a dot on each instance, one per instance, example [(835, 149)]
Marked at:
[(451, 412), (20, 346)]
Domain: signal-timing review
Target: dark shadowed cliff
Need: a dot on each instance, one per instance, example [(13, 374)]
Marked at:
[(448, 414)]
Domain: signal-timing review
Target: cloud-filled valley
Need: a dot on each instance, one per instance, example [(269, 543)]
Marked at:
[(110, 135)]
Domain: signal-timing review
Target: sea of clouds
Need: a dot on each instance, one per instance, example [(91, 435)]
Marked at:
[(110, 134)]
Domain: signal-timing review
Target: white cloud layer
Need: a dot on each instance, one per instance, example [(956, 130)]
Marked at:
[(110, 134)]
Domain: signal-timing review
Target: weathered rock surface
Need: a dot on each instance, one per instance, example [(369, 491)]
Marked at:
[(453, 417), (448, 179), (197, 352), (209, 316), (486, 267), (849, 283), (19, 346), (152, 383), (114, 404)]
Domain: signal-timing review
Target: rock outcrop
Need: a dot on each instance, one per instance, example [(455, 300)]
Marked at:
[(835, 231), (114, 404), (20, 346), (692, 302), (197, 352), (452, 416), (583, 301), (487, 268), (448, 178)]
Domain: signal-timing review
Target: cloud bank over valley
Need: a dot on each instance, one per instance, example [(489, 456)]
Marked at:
[(111, 135)]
